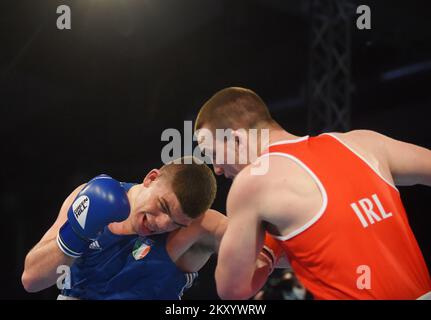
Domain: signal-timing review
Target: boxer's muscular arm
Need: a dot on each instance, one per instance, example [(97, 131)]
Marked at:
[(202, 240), (215, 227), (409, 164), (195, 244), (239, 275), (40, 266)]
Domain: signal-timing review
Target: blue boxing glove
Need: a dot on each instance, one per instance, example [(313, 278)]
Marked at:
[(103, 200)]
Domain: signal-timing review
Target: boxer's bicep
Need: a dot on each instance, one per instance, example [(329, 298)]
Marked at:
[(409, 164)]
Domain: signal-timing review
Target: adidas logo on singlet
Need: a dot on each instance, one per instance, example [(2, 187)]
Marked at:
[(95, 245)]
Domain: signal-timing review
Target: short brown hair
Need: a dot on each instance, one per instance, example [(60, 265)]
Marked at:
[(194, 184), (234, 108)]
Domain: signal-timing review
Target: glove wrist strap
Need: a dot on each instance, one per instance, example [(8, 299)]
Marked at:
[(69, 242)]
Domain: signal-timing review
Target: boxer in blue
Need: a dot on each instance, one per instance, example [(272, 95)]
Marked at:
[(131, 241)]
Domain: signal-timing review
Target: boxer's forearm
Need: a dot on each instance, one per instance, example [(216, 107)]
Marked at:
[(261, 273), (41, 263), (249, 287)]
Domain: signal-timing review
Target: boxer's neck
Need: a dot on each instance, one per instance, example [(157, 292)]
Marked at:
[(276, 135)]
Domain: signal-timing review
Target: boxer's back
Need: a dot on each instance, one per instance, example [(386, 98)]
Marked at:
[(360, 226)]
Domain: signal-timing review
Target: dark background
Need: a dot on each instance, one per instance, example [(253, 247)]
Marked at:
[(95, 99)]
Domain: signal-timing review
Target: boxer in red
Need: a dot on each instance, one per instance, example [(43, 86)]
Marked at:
[(331, 200)]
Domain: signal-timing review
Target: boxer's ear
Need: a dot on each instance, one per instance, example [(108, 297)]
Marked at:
[(151, 177)]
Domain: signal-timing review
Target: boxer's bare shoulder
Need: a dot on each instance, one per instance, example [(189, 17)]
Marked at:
[(371, 146), (399, 162), (277, 196), (368, 144)]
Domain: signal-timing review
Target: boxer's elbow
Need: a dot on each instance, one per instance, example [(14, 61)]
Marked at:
[(233, 293), (232, 289), (35, 282), (232, 285), (30, 279), (29, 282), (236, 288)]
